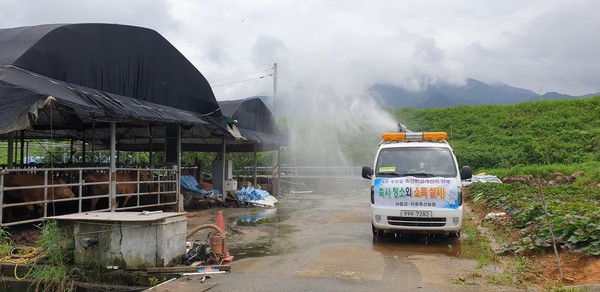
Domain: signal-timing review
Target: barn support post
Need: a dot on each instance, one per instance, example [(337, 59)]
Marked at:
[(224, 171), (151, 153), (1, 199), (255, 165), (93, 137), (10, 150), (22, 146), (178, 172), (113, 167), (275, 173), (83, 149), (278, 170), (71, 152)]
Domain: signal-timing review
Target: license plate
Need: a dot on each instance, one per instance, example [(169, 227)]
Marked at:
[(416, 213)]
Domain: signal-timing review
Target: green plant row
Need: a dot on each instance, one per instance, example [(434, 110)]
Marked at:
[(573, 211)]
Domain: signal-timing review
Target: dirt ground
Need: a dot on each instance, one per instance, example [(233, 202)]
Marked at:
[(249, 241), (577, 269), (280, 236)]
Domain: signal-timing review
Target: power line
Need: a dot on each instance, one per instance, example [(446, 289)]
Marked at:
[(240, 76), (240, 81), (235, 77)]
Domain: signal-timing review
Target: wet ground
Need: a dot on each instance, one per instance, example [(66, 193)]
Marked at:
[(322, 241)]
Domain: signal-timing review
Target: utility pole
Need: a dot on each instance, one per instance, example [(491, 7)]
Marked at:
[(276, 154), (275, 90)]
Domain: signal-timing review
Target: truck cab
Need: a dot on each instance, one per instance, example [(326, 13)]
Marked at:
[(416, 185)]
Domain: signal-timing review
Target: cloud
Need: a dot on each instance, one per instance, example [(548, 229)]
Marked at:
[(330, 52), (545, 45), (350, 45), (427, 51), (266, 49), (152, 13)]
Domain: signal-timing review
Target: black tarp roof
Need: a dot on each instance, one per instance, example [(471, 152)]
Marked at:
[(255, 122), (74, 78)]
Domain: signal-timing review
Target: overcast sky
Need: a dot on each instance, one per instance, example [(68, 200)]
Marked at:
[(343, 47)]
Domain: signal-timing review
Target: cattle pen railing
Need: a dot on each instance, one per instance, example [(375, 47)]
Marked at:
[(304, 171), (303, 179), (157, 193)]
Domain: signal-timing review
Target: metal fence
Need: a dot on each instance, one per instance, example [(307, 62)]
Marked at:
[(158, 193), (305, 171), (33, 200)]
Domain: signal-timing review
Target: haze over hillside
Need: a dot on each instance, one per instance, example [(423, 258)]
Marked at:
[(474, 92)]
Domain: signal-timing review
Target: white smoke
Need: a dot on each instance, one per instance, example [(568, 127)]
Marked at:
[(327, 128)]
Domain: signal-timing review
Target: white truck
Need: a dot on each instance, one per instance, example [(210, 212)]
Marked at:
[(416, 185)]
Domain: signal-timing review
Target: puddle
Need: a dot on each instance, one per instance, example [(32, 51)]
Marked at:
[(264, 233), (276, 243), (474, 245), (410, 244), (260, 217), (470, 246)]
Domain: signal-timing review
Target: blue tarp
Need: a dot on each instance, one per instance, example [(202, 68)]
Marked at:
[(190, 183), (251, 194)]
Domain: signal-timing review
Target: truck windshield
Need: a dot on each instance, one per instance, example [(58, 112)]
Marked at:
[(416, 161)]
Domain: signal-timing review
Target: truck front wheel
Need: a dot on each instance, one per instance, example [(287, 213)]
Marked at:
[(376, 231)]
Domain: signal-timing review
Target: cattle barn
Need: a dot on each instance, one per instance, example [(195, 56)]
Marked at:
[(103, 87)]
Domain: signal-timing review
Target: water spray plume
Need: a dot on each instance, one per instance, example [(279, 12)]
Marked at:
[(331, 129)]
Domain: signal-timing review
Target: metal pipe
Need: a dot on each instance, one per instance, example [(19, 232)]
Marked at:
[(10, 150), (255, 165), (178, 171), (22, 146), (224, 171), (113, 167)]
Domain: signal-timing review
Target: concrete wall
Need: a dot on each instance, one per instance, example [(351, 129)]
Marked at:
[(131, 244)]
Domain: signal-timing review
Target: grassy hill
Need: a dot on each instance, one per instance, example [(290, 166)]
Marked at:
[(536, 138), (502, 136)]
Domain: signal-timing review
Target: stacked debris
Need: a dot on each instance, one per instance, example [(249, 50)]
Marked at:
[(531, 180), (201, 253), (482, 178), (255, 196)]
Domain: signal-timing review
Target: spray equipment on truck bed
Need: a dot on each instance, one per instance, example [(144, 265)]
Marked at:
[(404, 134), (414, 136)]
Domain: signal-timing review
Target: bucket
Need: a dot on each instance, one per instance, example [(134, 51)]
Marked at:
[(205, 186), (216, 243)]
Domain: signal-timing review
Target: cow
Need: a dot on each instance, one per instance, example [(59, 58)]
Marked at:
[(36, 193), (122, 188)]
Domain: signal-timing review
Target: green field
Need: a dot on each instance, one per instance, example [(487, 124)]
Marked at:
[(535, 138), (504, 136)]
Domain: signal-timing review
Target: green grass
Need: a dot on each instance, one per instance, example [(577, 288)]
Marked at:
[(573, 214), (517, 271), (474, 245), (153, 281), (5, 242), (56, 275), (503, 136)]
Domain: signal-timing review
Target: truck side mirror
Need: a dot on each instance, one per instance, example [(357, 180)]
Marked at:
[(466, 172), (367, 172)]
